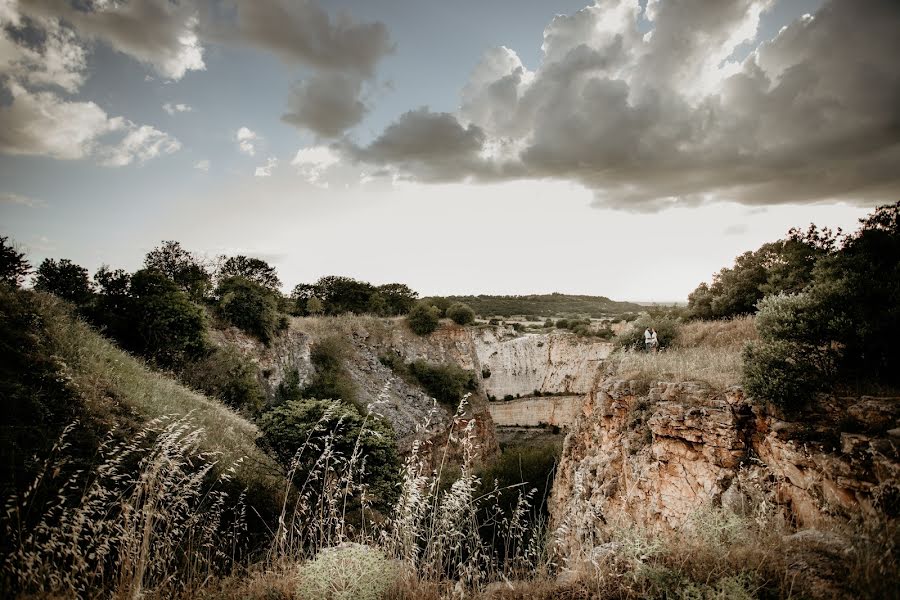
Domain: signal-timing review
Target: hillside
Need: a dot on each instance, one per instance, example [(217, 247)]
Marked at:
[(546, 305)]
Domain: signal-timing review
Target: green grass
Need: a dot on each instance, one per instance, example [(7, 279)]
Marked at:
[(120, 390)]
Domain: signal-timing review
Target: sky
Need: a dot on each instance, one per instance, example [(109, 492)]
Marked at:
[(626, 148)]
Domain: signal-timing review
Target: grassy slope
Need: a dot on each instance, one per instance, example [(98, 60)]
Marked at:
[(120, 389)]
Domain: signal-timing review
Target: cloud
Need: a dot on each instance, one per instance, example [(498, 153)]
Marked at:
[(304, 33), (140, 144), (40, 52), (266, 169), (313, 162), (203, 165), (159, 33), (736, 229), (19, 200), (326, 104), (668, 117), (176, 108), (246, 140)]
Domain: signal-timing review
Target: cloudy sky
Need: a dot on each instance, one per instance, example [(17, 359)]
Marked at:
[(628, 148)]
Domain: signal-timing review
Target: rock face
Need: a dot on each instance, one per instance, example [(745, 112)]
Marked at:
[(555, 411), (653, 457)]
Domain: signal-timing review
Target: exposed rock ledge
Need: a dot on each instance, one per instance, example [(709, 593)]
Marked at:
[(653, 458)]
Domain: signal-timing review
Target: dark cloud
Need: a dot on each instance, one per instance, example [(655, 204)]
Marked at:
[(327, 104), (667, 118), (434, 146)]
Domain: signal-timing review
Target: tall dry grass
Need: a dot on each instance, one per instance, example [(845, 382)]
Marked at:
[(707, 351)]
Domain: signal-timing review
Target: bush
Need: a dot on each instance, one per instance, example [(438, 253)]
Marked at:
[(184, 268), (548, 323), (63, 279), (666, 331), (249, 306), (330, 379), (423, 319), (252, 269), (562, 324), (226, 375), (312, 425), (461, 313), (785, 373), (445, 383), (346, 572)]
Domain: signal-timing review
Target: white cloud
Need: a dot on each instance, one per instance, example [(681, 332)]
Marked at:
[(140, 144), (59, 60), (246, 139), (176, 108), (266, 169), (19, 200), (313, 162), (203, 165)]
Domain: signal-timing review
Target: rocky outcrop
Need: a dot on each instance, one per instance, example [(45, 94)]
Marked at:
[(554, 411), (654, 457)]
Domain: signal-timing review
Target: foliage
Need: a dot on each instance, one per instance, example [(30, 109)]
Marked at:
[(249, 306), (346, 572), (226, 375), (633, 338), (841, 328), (298, 432), (340, 295), (330, 379), (446, 383), (399, 298), (184, 268), (441, 304), (288, 388), (462, 314), (13, 264), (167, 327), (782, 266), (528, 466), (544, 305), (423, 319), (252, 269), (64, 279)]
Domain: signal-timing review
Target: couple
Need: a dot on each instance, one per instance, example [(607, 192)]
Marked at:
[(651, 342)]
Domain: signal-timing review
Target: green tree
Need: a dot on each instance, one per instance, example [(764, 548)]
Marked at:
[(314, 425), (226, 375), (462, 314), (13, 265), (330, 380), (314, 306), (445, 383), (64, 279), (252, 269), (182, 267), (399, 298), (423, 319), (167, 327), (249, 306)]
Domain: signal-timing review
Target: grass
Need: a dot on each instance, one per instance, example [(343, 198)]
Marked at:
[(707, 351), (119, 389)]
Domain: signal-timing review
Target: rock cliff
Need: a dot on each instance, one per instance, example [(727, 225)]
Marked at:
[(653, 457)]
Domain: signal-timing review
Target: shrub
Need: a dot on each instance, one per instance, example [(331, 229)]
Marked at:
[(633, 338), (423, 319), (562, 324), (167, 327), (533, 464), (298, 432), (226, 375), (63, 279), (462, 314), (445, 383), (346, 572), (249, 306), (330, 379), (485, 372), (184, 268), (252, 269), (13, 264), (548, 323)]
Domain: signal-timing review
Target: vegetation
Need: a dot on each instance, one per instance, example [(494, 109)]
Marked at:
[(423, 319), (330, 379), (666, 328), (254, 270), (544, 305), (14, 267), (445, 383), (334, 295), (250, 307), (64, 279), (185, 269), (226, 375), (461, 314)]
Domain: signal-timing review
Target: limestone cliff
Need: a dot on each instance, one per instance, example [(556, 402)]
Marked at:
[(653, 457)]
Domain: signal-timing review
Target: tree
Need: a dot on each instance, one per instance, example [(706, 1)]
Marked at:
[(330, 379), (462, 314), (252, 269), (180, 266), (13, 265), (64, 279), (314, 306), (343, 294), (399, 297), (423, 319), (315, 426), (226, 375), (249, 306), (168, 328)]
